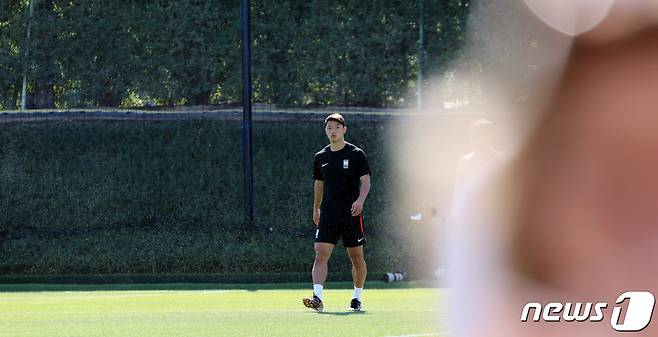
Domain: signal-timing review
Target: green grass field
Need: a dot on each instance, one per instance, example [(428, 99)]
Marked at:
[(251, 310)]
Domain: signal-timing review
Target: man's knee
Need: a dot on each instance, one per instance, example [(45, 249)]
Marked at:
[(356, 256), (358, 261), (321, 257), (322, 254)]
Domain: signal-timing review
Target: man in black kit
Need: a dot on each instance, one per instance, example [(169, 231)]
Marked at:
[(342, 183)]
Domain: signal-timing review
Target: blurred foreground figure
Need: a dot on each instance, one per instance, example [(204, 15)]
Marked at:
[(571, 219), (483, 154)]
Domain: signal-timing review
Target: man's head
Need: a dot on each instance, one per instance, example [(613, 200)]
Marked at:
[(481, 134), (335, 128)]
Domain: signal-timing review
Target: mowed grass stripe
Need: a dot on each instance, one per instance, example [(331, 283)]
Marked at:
[(387, 312)]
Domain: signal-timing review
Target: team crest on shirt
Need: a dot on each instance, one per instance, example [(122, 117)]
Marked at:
[(346, 163)]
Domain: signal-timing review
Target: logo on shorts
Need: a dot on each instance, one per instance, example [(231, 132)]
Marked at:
[(317, 233), (346, 163), (637, 314), (325, 164), (361, 239)]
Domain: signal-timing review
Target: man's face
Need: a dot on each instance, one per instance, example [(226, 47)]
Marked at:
[(335, 131)]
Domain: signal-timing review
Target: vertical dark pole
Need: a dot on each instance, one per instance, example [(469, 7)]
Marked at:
[(421, 54), (25, 60), (247, 152)]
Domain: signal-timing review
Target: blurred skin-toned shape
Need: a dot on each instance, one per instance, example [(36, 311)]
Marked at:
[(572, 216), (586, 223)]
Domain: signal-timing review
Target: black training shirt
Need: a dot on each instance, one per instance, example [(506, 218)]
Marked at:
[(341, 172)]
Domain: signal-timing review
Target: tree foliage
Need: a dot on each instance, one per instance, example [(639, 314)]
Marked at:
[(131, 53)]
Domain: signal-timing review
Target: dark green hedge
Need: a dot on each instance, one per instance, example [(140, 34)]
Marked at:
[(160, 197)]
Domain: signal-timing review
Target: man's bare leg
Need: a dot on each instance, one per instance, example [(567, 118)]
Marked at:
[(319, 273), (359, 268), (359, 273), (321, 263)]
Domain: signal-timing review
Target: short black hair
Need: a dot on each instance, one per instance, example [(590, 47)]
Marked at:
[(335, 117)]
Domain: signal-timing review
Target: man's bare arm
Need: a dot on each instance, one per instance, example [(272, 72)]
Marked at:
[(318, 192), (364, 189)]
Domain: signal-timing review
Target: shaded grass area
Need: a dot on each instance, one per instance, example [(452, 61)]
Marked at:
[(235, 278), (203, 286)]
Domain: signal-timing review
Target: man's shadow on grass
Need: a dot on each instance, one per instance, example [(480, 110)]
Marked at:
[(341, 313)]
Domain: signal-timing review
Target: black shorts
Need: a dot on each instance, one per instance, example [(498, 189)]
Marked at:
[(350, 228)]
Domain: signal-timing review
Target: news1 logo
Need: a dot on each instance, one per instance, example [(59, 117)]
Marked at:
[(637, 314)]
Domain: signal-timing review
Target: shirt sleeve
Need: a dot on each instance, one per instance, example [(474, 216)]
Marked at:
[(317, 171), (363, 168)]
